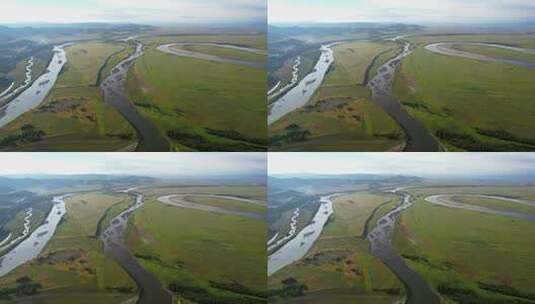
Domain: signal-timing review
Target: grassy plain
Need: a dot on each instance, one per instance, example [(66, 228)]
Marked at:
[(201, 251), (73, 267), (352, 59), (340, 116), (496, 204), (227, 204), (468, 104), (81, 69), (496, 52), (469, 257), (226, 53), (339, 264), (196, 102), (73, 117)]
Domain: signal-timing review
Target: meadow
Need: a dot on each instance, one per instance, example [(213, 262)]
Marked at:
[(339, 266), (73, 268), (341, 115), (74, 117), (470, 105), (469, 257), (195, 102), (201, 256)]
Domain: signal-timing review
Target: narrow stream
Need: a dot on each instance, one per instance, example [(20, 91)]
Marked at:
[(296, 248), (418, 290), (34, 244), (113, 237), (291, 232), (25, 232), (33, 96), (295, 77)]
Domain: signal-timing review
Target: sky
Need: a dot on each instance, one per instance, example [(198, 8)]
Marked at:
[(406, 11), (414, 164), (144, 164), (133, 11)]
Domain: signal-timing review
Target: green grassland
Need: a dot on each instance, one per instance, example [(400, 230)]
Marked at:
[(226, 53), (496, 204), (200, 254), (73, 267), (496, 52), (255, 192), (73, 117), (340, 116), (469, 257), (519, 40), (80, 71), (227, 204), (468, 104), (339, 265), (257, 41), (196, 102), (352, 59), (520, 192)]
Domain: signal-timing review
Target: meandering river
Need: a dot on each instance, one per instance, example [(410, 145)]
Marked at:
[(33, 96), (448, 49), (418, 290), (300, 95), (293, 229), (296, 248), (178, 50), (34, 244), (115, 94), (449, 200), (151, 290), (181, 200)]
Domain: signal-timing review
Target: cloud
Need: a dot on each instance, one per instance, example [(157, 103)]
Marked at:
[(401, 11), (134, 11), (150, 164), (425, 164)]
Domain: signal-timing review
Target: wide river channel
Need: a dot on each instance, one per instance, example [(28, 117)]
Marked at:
[(34, 244), (33, 96), (113, 237)]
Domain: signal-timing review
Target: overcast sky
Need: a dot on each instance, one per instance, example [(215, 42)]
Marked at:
[(417, 164), (147, 164), (440, 11), (133, 11)]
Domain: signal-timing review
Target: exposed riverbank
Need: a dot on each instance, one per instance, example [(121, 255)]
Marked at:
[(419, 139), (417, 289), (113, 237), (114, 94)]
